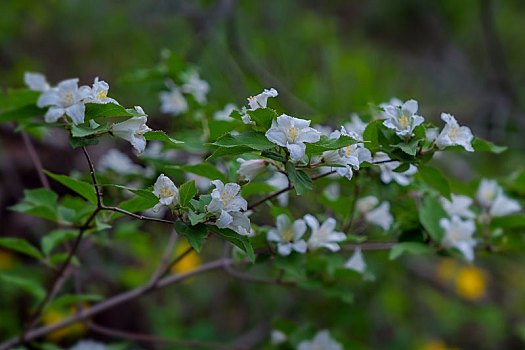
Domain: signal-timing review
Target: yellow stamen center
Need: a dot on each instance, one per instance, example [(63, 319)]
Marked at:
[(287, 234), (403, 121), (293, 132), (165, 193), (102, 95), (68, 98), (226, 198), (348, 150), (453, 132)]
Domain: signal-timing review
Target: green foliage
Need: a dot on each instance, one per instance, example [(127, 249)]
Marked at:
[(82, 188), (204, 169), (240, 241), (158, 135), (195, 234), (56, 237), (29, 285), (430, 213), (435, 179), (254, 140), (100, 110), (83, 131), (301, 181), (256, 188), (263, 117), (186, 192), (20, 245), (328, 144), (40, 202), (408, 247)]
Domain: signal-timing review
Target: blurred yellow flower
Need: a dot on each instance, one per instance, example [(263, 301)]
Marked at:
[(436, 344), (471, 283), (188, 262), (7, 260), (446, 270), (53, 316)]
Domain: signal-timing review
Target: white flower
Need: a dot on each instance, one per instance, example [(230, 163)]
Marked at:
[(394, 101), (240, 223), (365, 204), (167, 193), (356, 261), (503, 206), (133, 130), (490, 195), (196, 86), (402, 118), (250, 168), (321, 341), (352, 155), (88, 345), (356, 125), (277, 337), (323, 129), (381, 216), (292, 133), (260, 101), (67, 98), (288, 235), (36, 81), (227, 203), (173, 102), (459, 206), (458, 234), (332, 191), (280, 182), (99, 93), (453, 134), (387, 170), (118, 162), (224, 114), (323, 235)]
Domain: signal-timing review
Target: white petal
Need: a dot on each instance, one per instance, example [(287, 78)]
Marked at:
[(76, 112), (53, 113), (297, 150), (311, 221), (284, 248), (224, 220)]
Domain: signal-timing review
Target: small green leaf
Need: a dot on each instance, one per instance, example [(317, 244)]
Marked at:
[(195, 234), (263, 117), (99, 110), (299, 179), (29, 285), (430, 213), (20, 113), (402, 168), (509, 221), (200, 205), (82, 188), (329, 144), (410, 147), (218, 128), (408, 247), (186, 192), (55, 237), (274, 155), (243, 242), (77, 142), (83, 131), (481, 145), (40, 202), (254, 140), (435, 179), (20, 245), (159, 135), (230, 151), (196, 218)]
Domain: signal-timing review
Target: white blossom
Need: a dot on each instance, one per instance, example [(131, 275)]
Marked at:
[(99, 93), (323, 235), (228, 203), (260, 101), (250, 168), (356, 261), (394, 101), (280, 182), (167, 193), (36, 81), (356, 125), (332, 191), (503, 206), (458, 234), (387, 170), (487, 192), (288, 235), (381, 216), (459, 206), (453, 134), (67, 98), (490, 195), (133, 130), (431, 134), (224, 114), (173, 102), (118, 162), (321, 341), (402, 118), (292, 133), (277, 337), (365, 204), (196, 86), (88, 345)]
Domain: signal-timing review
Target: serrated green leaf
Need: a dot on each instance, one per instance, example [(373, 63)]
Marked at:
[(302, 182), (230, 151), (99, 110), (326, 143), (55, 237), (20, 245), (83, 131), (401, 248), (263, 117), (254, 140), (243, 242), (409, 148), (186, 192), (200, 205), (195, 234), (82, 188), (435, 179), (77, 142), (196, 218), (158, 135), (430, 213)]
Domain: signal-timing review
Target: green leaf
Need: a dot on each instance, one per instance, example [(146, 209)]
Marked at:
[(402, 168), (99, 110), (58, 258), (509, 221), (70, 299), (263, 117), (408, 247), (230, 151), (328, 144), (430, 213), (435, 179), (40, 202), (159, 135), (410, 147), (20, 245), (274, 155), (136, 204), (195, 234), (16, 98), (204, 169), (186, 192), (218, 128), (83, 131), (256, 188), (254, 140), (77, 142), (29, 285), (20, 113), (481, 145), (243, 242), (56, 237), (82, 188), (299, 179), (200, 205), (196, 218)]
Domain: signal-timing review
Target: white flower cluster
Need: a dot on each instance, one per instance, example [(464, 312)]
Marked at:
[(167, 193), (173, 101), (67, 98), (256, 102)]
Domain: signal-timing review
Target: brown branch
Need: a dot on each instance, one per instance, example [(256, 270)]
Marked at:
[(136, 216), (93, 177), (369, 246), (154, 339), (35, 159)]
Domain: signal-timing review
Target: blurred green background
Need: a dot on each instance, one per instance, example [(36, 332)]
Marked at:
[(326, 59)]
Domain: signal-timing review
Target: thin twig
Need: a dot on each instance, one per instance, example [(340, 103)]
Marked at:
[(165, 257), (35, 159), (136, 216), (154, 339), (93, 177), (369, 246)]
